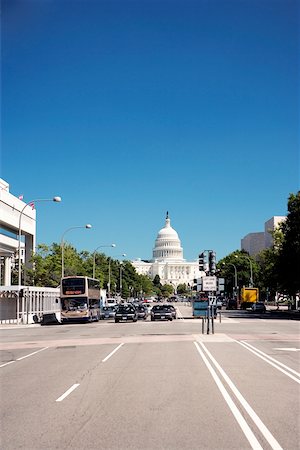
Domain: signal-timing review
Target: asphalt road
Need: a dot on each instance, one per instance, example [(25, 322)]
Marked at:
[(151, 385)]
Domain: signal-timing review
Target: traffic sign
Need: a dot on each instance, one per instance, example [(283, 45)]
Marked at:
[(209, 283)]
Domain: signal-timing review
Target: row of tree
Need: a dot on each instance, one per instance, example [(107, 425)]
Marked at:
[(276, 269)]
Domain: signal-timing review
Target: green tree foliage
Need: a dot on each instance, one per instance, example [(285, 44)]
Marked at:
[(46, 270), (288, 261), (182, 289), (46, 266), (238, 261), (157, 286), (268, 261), (167, 290)]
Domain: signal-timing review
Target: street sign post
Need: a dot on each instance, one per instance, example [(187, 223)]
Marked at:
[(209, 284)]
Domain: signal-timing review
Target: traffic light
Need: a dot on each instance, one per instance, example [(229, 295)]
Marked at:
[(212, 262), (201, 261)]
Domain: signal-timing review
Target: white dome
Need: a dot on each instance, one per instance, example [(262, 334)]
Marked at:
[(167, 231), (167, 244)]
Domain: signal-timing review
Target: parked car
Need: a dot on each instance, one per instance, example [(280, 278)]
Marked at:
[(126, 312), (259, 307), (142, 312), (108, 312), (161, 312)]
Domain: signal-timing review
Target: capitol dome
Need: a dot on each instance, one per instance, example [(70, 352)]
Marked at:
[(167, 244)]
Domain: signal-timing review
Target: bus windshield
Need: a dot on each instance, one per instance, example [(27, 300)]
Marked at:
[(73, 304)]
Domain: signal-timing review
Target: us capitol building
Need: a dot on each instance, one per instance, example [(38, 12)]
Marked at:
[(167, 260)]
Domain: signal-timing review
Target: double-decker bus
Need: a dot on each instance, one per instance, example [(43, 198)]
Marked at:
[(80, 299)]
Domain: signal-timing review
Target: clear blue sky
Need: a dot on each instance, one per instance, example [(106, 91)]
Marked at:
[(127, 109)]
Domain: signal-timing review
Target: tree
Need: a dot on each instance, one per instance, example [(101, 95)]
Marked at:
[(241, 262), (167, 290), (268, 261), (46, 266), (182, 289), (288, 261)]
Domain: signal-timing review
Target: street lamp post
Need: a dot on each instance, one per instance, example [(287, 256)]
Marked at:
[(235, 280), (62, 245), (251, 273), (251, 270), (108, 284), (94, 257), (121, 278), (54, 199)]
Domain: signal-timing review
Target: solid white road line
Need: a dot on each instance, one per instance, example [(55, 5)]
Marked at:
[(289, 349), (268, 359), (238, 416), (114, 351), (261, 426), (6, 364), (30, 354), (23, 357), (62, 397)]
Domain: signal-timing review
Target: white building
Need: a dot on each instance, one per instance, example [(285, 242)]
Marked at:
[(168, 261), (253, 243), (270, 226), (11, 221)]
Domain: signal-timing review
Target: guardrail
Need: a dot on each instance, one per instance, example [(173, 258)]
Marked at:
[(27, 304)]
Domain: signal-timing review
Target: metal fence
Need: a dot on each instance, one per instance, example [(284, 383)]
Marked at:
[(27, 304)]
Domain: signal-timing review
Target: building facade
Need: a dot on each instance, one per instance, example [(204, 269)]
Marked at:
[(14, 219), (270, 226), (167, 260), (253, 243)]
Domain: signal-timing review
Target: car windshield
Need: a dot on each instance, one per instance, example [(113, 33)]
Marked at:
[(161, 308), (125, 309)]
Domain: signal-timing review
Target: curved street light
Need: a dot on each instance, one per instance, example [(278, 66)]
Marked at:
[(54, 199), (94, 256), (62, 245)]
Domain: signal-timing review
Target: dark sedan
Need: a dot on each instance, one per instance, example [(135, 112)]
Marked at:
[(142, 312), (125, 313), (161, 312), (259, 307), (107, 312)]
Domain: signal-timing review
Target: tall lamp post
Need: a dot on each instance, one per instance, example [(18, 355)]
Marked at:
[(121, 268), (94, 257), (251, 273), (236, 288), (109, 261), (62, 245), (54, 199)]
